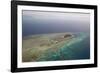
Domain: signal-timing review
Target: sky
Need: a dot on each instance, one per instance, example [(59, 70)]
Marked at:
[(42, 22)]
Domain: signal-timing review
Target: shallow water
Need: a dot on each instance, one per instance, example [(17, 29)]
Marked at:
[(76, 48)]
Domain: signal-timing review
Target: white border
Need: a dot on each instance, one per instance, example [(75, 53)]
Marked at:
[(54, 63)]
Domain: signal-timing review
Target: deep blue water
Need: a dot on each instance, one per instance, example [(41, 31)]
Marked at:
[(35, 22)]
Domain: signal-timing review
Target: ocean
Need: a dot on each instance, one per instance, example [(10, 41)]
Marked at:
[(78, 48)]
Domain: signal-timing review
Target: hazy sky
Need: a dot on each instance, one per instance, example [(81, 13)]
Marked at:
[(37, 22)]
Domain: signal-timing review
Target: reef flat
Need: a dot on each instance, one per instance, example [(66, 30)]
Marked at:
[(55, 46)]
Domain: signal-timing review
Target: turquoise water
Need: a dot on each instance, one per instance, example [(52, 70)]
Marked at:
[(77, 48)]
